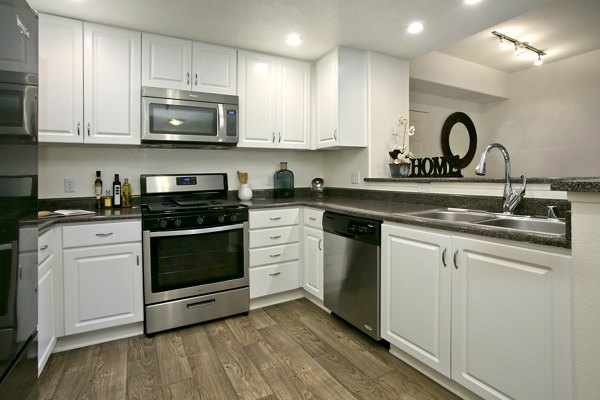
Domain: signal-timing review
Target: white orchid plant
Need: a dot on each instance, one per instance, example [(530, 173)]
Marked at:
[(400, 153)]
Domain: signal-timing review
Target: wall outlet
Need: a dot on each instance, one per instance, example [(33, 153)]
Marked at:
[(69, 185), (355, 177), (424, 187)]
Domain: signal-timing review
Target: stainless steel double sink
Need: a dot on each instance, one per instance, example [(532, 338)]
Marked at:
[(509, 221)]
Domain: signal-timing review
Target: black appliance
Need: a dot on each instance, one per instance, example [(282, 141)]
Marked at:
[(18, 200), (195, 244)]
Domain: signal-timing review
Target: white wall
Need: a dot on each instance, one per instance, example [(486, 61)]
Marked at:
[(57, 162), (551, 121)]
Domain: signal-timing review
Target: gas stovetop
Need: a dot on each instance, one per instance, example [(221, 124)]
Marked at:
[(188, 201)]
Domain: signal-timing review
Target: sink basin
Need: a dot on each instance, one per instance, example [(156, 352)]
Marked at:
[(454, 215), (555, 227)]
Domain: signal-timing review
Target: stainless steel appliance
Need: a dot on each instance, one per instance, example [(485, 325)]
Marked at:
[(195, 244), (178, 118), (18, 200), (351, 268)]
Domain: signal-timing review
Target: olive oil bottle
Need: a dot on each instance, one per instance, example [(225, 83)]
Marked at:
[(126, 193), (98, 190)]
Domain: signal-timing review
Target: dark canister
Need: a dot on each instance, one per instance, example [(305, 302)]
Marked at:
[(284, 182)]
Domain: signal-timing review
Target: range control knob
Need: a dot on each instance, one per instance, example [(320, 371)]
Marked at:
[(177, 222), (221, 219), (200, 220), (234, 217), (163, 223)]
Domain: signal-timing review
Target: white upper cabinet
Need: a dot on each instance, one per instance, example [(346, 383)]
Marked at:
[(342, 99), (107, 83), (174, 63), (274, 101)]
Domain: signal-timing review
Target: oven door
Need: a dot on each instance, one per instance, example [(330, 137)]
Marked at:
[(18, 112), (186, 263)]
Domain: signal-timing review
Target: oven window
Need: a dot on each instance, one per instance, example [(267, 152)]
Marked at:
[(173, 119), (11, 108), (184, 261)]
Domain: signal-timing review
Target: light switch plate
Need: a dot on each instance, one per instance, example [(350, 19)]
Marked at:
[(355, 177)]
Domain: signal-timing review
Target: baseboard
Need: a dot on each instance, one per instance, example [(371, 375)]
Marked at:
[(316, 301), (71, 342), (276, 298)]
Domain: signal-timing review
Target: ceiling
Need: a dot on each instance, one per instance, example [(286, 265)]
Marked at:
[(261, 25)]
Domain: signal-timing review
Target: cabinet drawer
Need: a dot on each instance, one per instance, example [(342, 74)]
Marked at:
[(274, 236), (275, 254), (312, 217), (274, 279), (45, 246), (94, 234), (274, 217)]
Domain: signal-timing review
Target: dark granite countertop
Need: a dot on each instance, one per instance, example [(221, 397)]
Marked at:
[(577, 185), (393, 211), (103, 215), (485, 179)]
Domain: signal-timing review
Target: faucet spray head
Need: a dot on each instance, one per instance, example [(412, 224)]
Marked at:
[(480, 168)]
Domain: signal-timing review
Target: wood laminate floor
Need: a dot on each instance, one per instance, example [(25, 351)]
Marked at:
[(291, 350)]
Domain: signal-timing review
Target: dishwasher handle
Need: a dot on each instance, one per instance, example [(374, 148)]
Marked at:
[(344, 234)]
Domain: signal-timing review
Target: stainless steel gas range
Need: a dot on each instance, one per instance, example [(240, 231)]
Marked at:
[(195, 244)]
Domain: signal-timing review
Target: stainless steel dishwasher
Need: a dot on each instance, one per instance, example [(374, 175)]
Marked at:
[(351, 270)]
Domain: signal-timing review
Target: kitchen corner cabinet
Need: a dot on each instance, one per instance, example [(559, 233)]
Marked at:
[(48, 286), (274, 101), (312, 252), (341, 82), (274, 253), (182, 64), (89, 83), (494, 317), (102, 275)]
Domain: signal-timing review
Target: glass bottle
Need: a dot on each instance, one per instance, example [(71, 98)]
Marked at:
[(108, 200), (116, 200), (126, 193), (284, 182), (98, 190)]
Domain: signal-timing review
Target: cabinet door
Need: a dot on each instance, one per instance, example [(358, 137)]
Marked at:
[(214, 69), (415, 293), (60, 80), (46, 310), (327, 98), (293, 102), (166, 62), (256, 86), (103, 287), (111, 85), (511, 321), (312, 259)]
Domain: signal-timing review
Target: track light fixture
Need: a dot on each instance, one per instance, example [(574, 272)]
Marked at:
[(520, 47)]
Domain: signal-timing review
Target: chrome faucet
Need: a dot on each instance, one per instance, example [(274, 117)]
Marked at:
[(511, 198)]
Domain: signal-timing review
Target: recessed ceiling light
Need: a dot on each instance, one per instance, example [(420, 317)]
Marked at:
[(294, 39), (415, 27), (472, 1)]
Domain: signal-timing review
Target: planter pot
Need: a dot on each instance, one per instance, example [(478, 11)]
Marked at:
[(399, 170)]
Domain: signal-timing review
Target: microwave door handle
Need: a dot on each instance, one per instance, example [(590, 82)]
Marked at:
[(221, 116), (190, 232)]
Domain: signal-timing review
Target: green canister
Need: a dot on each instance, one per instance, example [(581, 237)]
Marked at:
[(284, 182)]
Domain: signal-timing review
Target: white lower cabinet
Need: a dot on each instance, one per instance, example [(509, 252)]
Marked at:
[(312, 252), (274, 251), (492, 316), (102, 275), (47, 303)]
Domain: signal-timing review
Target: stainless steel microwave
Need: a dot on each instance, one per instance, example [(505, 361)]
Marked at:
[(178, 118)]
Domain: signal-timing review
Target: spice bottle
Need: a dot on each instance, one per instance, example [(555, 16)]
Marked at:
[(98, 190), (126, 193), (108, 200), (284, 182)]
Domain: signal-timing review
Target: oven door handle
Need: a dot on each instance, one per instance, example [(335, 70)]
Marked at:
[(197, 231)]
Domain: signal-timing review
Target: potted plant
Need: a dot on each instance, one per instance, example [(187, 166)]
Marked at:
[(400, 167)]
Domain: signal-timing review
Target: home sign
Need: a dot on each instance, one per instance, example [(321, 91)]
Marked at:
[(442, 167)]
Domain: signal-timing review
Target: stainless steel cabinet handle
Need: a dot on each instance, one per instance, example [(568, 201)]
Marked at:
[(44, 247), (335, 134), (88, 129), (312, 218), (320, 244), (275, 274), (444, 256), (103, 235), (275, 237), (137, 256), (275, 255), (275, 218), (454, 259), (273, 134), (196, 79), (78, 128), (279, 135), (188, 78)]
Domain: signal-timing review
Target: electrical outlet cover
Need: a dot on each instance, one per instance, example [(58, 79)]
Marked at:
[(69, 185)]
